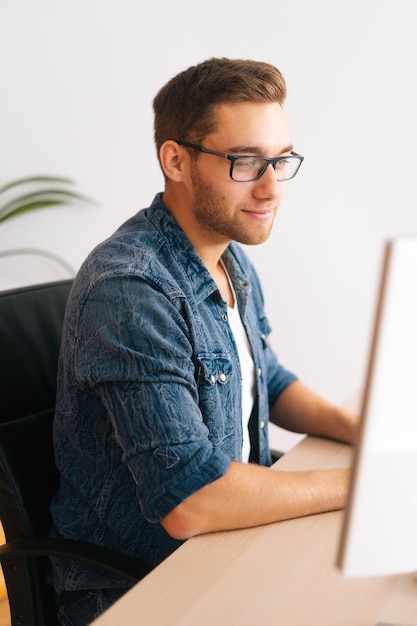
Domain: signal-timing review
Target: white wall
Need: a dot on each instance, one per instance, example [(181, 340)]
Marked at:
[(77, 78)]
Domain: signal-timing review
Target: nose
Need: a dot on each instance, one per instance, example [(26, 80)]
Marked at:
[(267, 186)]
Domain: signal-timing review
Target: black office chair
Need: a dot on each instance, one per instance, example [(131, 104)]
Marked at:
[(30, 331)]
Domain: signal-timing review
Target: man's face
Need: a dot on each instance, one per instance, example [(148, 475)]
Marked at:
[(226, 210)]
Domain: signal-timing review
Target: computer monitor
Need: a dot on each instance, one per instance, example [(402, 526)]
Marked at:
[(379, 534)]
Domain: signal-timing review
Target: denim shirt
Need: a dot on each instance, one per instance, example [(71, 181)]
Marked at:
[(149, 389)]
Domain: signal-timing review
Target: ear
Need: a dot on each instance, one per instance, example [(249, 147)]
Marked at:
[(174, 161)]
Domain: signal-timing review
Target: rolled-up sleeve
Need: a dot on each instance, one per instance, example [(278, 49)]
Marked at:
[(135, 353)]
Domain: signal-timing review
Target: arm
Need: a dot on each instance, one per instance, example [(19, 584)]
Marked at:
[(300, 410), (249, 495)]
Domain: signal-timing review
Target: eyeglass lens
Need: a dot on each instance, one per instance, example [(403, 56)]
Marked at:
[(245, 169)]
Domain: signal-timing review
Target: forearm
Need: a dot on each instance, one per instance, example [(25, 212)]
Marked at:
[(249, 495), (300, 410)]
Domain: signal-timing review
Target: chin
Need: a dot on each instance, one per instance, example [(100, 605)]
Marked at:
[(254, 238)]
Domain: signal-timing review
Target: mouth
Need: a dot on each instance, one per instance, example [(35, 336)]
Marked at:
[(263, 215)]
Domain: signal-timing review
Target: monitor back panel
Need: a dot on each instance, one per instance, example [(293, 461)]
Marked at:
[(379, 534)]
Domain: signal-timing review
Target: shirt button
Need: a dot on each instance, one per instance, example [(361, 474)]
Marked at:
[(223, 377), (224, 317), (213, 378), (259, 371), (262, 424)]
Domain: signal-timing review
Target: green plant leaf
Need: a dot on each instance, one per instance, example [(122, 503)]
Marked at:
[(35, 179), (42, 253), (44, 204), (33, 193), (40, 199)]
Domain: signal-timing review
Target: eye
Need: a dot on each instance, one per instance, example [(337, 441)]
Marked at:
[(248, 163), (282, 163)]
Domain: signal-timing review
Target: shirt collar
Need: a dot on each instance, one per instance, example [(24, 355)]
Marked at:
[(202, 283)]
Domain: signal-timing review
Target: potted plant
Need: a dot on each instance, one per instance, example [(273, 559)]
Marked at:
[(32, 194)]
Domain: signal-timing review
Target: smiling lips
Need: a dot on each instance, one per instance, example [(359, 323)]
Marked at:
[(261, 215)]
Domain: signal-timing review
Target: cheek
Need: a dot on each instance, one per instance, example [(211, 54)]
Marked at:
[(229, 195)]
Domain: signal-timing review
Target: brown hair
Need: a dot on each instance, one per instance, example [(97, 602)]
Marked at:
[(183, 108)]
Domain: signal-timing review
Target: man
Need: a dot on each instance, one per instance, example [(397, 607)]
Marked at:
[(166, 378)]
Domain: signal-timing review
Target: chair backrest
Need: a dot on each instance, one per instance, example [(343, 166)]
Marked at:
[(30, 335)]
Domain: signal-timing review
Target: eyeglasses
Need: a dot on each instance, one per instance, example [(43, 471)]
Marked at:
[(246, 169)]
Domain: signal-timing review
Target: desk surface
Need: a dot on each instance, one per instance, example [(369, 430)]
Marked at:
[(283, 573)]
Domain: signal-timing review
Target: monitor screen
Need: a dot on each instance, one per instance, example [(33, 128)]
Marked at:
[(379, 534)]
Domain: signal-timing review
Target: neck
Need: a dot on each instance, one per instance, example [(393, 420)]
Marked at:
[(209, 247), (221, 279)]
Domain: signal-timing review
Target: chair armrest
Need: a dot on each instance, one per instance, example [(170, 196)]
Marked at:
[(73, 550), (275, 455)]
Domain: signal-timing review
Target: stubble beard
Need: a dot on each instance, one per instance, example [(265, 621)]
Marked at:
[(209, 211)]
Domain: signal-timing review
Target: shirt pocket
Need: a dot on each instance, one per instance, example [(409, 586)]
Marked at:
[(218, 389)]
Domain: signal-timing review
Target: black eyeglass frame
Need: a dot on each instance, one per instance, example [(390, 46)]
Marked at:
[(268, 161)]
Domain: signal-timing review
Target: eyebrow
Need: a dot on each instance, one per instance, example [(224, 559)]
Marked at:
[(255, 150)]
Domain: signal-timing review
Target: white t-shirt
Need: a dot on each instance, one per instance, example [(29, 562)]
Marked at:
[(247, 367)]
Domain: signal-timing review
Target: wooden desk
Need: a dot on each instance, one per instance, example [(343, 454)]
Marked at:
[(281, 574)]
